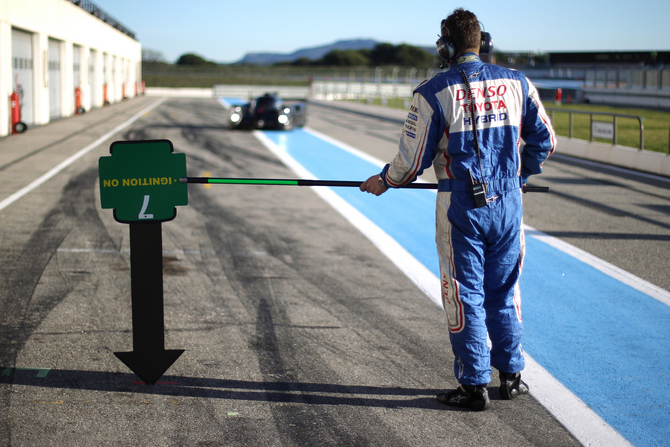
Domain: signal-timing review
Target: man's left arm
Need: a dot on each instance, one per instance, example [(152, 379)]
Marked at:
[(537, 134)]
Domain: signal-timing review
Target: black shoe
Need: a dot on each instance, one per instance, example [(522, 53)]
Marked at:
[(466, 396), (511, 386)]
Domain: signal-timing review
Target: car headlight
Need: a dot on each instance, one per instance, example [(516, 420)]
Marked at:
[(287, 110), (235, 117), (283, 119)]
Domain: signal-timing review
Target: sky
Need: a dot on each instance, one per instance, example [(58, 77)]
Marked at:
[(225, 30)]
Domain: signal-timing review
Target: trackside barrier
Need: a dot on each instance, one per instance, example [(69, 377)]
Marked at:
[(179, 92), (231, 91), (360, 90), (254, 91), (626, 157)]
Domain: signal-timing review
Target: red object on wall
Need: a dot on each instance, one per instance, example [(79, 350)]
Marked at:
[(77, 101), (17, 125)]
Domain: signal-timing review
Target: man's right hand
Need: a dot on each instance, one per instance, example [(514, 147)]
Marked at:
[(372, 186)]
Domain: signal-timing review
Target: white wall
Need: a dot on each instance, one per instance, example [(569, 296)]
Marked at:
[(69, 24), (626, 157), (629, 97)]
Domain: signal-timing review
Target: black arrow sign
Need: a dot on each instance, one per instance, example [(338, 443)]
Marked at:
[(148, 359)]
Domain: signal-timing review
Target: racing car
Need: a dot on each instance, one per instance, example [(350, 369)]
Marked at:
[(267, 112)]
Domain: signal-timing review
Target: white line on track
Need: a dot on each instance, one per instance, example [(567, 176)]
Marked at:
[(582, 422), (67, 162)]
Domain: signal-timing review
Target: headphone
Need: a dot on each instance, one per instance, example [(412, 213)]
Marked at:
[(447, 50)]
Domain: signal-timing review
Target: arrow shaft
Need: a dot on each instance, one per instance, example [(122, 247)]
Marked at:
[(304, 182), (146, 279)]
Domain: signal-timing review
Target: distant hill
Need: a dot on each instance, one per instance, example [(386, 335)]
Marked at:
[(311, 53)]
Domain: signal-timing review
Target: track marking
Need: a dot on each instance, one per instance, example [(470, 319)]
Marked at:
[(41, 372), (68, 161)]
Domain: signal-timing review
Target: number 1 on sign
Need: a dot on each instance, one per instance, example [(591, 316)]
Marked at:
[(145, 204)]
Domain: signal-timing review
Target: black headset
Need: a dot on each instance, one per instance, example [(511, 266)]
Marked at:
[(447, 50)]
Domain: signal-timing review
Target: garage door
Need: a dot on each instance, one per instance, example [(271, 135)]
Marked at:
[(95, 98), (22, 72), (54, 79)]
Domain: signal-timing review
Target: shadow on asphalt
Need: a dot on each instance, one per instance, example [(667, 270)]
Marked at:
[(263, 391)]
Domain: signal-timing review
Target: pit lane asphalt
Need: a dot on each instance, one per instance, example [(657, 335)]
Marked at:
[(296, 331)]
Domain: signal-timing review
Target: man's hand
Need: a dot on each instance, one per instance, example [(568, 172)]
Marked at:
[(372, 186)]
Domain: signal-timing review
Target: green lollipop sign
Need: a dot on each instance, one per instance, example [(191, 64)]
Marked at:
[(140, 181)]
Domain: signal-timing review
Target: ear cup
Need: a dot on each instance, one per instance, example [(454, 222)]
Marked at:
[(445, 48), (487, 43)]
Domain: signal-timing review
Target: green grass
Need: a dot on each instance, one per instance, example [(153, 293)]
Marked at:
[(656, 125)]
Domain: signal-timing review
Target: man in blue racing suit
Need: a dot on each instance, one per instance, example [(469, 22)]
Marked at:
[(485, 131)]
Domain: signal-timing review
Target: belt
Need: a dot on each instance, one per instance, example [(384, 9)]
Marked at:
[(493, 185)]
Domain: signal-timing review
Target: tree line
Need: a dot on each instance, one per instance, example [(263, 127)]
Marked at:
[(382, 54)]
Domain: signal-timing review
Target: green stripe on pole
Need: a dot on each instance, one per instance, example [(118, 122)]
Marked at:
[(243, 181)]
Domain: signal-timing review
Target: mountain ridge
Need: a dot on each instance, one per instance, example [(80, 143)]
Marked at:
[(313, 53)]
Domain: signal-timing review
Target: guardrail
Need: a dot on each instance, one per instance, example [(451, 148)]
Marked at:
[(591, 127)]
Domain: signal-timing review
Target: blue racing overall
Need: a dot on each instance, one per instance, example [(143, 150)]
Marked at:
[(480, 249)]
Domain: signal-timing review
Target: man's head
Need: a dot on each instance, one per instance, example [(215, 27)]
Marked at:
[(462, 28)]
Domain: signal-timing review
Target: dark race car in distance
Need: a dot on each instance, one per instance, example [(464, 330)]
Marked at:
[(267, 112)]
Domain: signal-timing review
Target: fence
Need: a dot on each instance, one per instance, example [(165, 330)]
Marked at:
[(652, 79), (600, 129)]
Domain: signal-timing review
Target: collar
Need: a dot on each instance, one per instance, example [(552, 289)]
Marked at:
[(467, 57)]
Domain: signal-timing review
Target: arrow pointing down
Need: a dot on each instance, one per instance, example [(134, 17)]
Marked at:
[(148, 359)]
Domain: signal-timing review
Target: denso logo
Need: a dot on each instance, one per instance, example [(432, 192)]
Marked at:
[(490, 92)]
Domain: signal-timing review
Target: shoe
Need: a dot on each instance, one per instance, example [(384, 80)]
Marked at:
[(466, 396), (511, 386)]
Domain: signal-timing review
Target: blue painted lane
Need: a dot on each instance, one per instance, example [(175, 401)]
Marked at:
[(605, 341)]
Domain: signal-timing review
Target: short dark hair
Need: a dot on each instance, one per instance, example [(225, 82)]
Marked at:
[(463, 29)]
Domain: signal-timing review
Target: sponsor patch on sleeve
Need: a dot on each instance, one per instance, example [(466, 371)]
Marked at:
[(409, 134)]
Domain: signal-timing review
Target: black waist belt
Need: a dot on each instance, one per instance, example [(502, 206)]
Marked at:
[(493, 185)]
